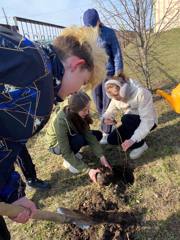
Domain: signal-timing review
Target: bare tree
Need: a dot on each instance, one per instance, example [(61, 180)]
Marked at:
[(137, 22)]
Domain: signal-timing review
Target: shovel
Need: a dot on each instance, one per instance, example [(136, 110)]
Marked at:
[(102, 217), (63, 216), (68, 216)]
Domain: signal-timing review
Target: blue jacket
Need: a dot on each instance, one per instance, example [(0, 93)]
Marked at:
[(29, 75), (108, 40)]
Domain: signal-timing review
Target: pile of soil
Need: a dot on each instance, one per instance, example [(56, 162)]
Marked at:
[(119, 226), (120, 176)]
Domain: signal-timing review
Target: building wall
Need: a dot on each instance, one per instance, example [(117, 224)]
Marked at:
[(167, 9)]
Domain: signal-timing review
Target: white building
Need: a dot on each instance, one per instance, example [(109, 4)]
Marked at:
[(167, 14)]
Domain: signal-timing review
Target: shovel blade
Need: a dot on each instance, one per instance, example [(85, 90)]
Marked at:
[(79, 219)]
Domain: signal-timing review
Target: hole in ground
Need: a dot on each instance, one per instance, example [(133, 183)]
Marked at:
[(120, 176), (116, 225)]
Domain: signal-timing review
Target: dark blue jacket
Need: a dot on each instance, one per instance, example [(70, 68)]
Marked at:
[(108, 40), (29, 76)]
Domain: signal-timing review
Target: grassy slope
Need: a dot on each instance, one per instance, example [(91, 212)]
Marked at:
[(155, 191), (166, 64)]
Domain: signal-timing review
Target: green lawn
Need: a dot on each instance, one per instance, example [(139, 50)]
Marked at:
[(154, 194)]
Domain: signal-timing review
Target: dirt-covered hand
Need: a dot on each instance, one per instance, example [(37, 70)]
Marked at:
[(127, 144), (92, 174), (105, 163), (29, 210)]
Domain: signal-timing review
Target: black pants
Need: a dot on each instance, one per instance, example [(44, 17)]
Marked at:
[(4, 233), (25, 162), (129, 124), (78, 141)]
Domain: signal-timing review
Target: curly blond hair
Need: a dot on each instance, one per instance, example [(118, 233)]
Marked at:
[(82, 42)]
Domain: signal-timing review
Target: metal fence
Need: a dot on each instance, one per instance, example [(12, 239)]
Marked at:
[(37, 30)]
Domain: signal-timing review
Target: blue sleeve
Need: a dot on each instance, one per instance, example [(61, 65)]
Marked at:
[(116, 51), (11, 185)]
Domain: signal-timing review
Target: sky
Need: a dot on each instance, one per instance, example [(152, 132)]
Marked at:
[(61, 12)]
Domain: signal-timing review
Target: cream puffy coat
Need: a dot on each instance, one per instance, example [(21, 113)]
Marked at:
[(139, 103)]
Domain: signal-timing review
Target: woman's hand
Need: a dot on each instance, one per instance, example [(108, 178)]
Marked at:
[(127, 144), (105, 163), (92, 174), (29, 210)]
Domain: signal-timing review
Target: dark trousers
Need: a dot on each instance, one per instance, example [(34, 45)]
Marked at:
[(4, 233), (102, 102), (25, 162), (129, 124), (78, 141)]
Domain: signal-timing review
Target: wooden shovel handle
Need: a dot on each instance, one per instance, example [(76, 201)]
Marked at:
[(12, 211)]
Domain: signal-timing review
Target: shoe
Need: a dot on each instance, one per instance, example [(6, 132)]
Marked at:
[(38, 183), (137, 152), (79, 156), (104, 138), (68, 166), (56, 150)]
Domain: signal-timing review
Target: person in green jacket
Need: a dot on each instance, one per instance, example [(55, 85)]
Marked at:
[(69, 131)]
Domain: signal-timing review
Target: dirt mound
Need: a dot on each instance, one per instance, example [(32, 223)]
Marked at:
[(120, 176), (116, 225)]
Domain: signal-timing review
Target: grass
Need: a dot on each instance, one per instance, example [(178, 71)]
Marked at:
[(165, 57), (154, 193)]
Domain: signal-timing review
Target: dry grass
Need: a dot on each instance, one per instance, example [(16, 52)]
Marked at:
[(154, 194)]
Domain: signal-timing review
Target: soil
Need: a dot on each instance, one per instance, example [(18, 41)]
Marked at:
[(119, 226), (120, 177), (115, 225)]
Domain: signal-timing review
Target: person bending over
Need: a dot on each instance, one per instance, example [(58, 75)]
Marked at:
[(69, 131), (139, 116)]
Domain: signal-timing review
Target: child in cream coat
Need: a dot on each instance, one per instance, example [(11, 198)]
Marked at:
[(139, 116)]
